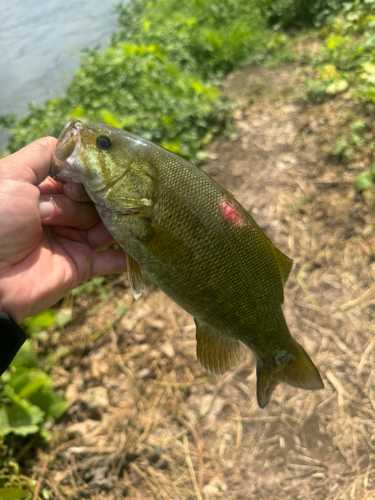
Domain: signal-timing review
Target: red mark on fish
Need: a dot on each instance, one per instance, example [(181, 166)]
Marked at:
[(230, 213)]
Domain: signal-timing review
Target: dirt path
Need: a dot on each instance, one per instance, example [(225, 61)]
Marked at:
[(146, 421)]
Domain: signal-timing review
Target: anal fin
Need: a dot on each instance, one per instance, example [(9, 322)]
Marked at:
[(216, 352), (135, 276)]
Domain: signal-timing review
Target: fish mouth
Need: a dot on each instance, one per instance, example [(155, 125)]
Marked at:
[(67, 148)]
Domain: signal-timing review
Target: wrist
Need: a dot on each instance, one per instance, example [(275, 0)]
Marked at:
[(16, 310), (12, 312), (11, 339)]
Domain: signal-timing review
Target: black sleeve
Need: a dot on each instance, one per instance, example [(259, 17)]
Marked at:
[(11, 339)]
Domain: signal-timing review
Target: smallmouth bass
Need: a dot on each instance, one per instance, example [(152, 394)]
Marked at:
[(196, 243)]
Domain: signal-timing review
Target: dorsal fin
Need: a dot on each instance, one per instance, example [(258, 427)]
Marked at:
[(285, 264)]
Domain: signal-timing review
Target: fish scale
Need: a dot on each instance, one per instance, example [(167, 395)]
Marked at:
[(196, 243)]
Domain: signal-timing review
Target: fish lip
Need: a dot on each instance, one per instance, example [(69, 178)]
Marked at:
[(66, 147), (56, 166), (63, 133), (72, 130)]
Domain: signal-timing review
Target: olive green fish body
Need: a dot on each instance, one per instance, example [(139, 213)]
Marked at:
[(197, 244)]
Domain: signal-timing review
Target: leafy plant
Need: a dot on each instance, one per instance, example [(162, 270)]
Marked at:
[(205, 36), (158, 78), (365, 180), (96, 284), (45, 319), (27, 402), (346, 62), (352, 140), (300, 13), (13, 485), (27, 397), (135, 87)]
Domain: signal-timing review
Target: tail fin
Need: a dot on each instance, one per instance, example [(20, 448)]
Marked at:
[(299, 372)]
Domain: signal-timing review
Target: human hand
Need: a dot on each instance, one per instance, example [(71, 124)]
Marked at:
[(49, 234)]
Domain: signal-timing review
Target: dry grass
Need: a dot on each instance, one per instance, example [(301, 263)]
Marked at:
[(147, 422)]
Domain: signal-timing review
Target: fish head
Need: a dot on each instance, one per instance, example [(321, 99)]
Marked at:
[(111, 163)]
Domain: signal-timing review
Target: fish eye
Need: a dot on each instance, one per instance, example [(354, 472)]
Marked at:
[(103, 142)]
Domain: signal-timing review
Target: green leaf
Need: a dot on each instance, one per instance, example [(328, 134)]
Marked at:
[(363, 181), (340, 146), (202, 155), (128, 121), (109, 118), (26, 382), (172, 146), (197, 86), (334, 41), (78, 112), (38, 380), (371, 78), (12, 494), (328, 72), (45, 434), (337, 86), (45, 319), (370, 42), (358, 126), (89, 286), (26, 356), (20, 417), (41, 321), (52, 403), (368, 67)]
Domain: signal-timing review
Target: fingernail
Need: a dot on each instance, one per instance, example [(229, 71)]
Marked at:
[(45, 209)]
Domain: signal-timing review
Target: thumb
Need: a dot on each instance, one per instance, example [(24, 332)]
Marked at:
[(30, 164)]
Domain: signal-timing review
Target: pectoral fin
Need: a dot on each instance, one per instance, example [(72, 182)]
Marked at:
[(216, 352), (136, 277)]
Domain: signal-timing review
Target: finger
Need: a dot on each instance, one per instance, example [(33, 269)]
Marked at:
[(50, 186), (96, 237), (30, 164), (99, 237), (76, 192), (108, 262), (58, 210)]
